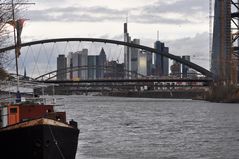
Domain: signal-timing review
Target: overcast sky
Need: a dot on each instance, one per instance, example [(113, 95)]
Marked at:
[(174, 19), (182, 24)]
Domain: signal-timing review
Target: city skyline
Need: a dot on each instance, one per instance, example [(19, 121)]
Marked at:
[(137, 64), (79, 19)]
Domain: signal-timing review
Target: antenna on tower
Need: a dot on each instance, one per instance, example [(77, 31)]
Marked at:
[(127, 17), (158, 35)]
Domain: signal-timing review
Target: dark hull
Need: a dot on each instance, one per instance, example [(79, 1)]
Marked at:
[(39, 142)]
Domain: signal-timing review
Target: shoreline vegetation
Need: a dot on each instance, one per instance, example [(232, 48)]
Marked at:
[(3, 74)]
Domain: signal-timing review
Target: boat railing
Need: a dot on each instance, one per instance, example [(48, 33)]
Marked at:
[(43, 100), (7, 100), (36, 100)]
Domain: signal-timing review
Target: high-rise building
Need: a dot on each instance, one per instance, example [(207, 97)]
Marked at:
[(84, 62), (92, 66), (84, 67), (70, 66), (134, 57), (102, 64), (176, 69), (161, 63), (61, 67), (80, 59), (127, 50), (75, 64), (130, 54), (149, 64), (185, 68), (116, 70), (158, 58), (142, 63)]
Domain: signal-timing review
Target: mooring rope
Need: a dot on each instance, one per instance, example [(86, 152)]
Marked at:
[(56, 143)]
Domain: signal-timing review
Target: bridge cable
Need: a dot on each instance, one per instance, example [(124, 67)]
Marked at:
[(71, 47), (11, 64), (8, 62), (25, 57), (78, 46), (109, 52), (118, 58), (66, 45), (170, 56), (35, 58), (58, 50), (50, 57), (90, 47)]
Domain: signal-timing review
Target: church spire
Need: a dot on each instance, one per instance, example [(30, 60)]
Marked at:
[(25, 72)]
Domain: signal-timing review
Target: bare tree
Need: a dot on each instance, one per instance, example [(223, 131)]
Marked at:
[(6, 16)]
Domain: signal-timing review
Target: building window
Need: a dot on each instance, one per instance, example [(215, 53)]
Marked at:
[(13, 110)]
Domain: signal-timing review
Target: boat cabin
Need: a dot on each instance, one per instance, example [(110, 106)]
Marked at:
[(15, 113)]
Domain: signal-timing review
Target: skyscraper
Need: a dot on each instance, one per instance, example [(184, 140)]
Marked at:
[(116, 70), (102, 63), (134, 57), (149, 64), (70, 66), (161, 63), (130, 54), (61, 67), (127, 50), (92, 66), (176, 69), (80, 59), (75, 64), (142, 63), (83, 58)]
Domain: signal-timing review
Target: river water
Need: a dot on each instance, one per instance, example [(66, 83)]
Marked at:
[(138, 128)]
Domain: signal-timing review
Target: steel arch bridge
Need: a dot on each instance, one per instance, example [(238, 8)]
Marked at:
[(194, 66), (53, 74)]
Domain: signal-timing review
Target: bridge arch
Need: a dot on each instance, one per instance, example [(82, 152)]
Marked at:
[(48, 76), (142, 47)]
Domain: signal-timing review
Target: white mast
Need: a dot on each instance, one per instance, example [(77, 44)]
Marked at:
[(15, 44)]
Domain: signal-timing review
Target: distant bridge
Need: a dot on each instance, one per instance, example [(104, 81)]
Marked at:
[(206, 80), (194, 66), (53, 74)]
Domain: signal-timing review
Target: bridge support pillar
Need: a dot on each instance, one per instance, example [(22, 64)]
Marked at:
[(225, 42)]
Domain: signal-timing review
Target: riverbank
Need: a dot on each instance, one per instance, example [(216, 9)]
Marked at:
[(159, 94), (223, 95)]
